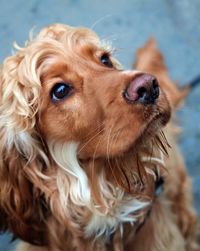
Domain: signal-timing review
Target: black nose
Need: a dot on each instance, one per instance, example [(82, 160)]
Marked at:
[(143, 89)]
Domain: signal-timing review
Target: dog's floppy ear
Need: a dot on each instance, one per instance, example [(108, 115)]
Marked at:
[(21, 155)]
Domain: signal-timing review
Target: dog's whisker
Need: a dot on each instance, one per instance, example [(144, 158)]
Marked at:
[(98, 21), (90, 139), (108, 144), (96, 129)]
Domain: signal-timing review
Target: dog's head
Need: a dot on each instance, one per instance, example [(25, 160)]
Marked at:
[(86, 98), (65, 100)]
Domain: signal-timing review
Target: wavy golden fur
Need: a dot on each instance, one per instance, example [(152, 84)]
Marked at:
[(79, 172)]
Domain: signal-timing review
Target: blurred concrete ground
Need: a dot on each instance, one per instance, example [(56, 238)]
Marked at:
[(128, 24)]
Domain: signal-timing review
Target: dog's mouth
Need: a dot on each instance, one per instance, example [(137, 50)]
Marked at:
[(158, 121), (152, 139)]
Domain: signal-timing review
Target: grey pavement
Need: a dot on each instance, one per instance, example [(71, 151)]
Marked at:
[(128, 24)]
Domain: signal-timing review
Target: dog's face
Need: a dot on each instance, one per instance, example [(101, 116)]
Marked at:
[(83, 97)]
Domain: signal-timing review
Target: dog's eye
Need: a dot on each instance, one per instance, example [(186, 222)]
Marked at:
[(61, 91), (105, 59)]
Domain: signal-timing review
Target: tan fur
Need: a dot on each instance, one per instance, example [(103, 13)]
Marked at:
[(79, 174)]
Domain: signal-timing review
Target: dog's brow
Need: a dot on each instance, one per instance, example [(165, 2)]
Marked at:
[(55, 70)]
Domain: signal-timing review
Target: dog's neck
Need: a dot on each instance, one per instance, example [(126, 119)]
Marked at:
[(103, 194)]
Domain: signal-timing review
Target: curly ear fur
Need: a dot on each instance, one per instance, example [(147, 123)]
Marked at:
[(20, 150)]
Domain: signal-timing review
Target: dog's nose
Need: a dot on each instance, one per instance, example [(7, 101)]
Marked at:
[(143, 89)]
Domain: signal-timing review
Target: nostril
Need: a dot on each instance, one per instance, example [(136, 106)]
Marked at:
[(141, 92)]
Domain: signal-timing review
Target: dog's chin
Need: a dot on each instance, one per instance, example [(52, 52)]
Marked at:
[(152, 130), (157, 123)]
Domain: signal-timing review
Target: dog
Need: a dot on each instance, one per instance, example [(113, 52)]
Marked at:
[(84, 161)]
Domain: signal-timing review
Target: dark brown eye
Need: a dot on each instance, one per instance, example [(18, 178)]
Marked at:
[(105, 59), (61, 91)]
